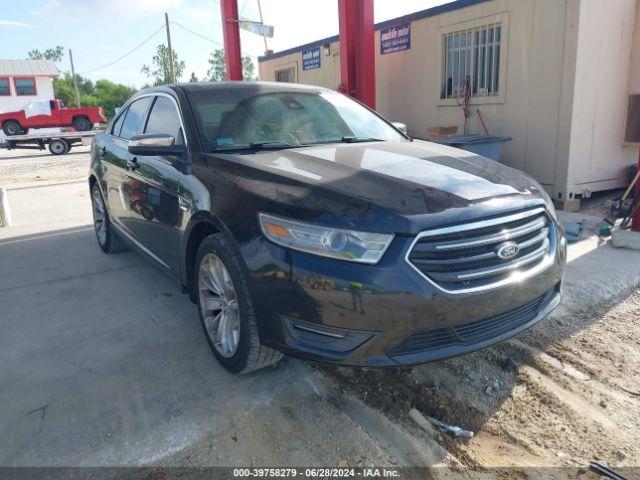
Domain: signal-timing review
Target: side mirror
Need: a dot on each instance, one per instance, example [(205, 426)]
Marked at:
[(151, 144), (400, 126)]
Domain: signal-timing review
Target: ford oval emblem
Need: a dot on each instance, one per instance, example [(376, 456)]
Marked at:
[(508, 250)]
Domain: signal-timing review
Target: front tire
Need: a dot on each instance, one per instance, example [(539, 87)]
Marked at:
[(82, 124), (11, 127), (226, 308), (107, 239)]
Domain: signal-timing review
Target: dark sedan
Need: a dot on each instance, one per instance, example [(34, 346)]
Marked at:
[(300, 221)]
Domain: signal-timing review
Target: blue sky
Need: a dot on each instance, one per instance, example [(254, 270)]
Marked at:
[(100, 31)]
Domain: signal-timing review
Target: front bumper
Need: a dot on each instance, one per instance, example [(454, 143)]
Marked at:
[(352, 314)]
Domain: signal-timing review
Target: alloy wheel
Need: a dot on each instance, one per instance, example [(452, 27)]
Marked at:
[(99, 216), (219, 305)]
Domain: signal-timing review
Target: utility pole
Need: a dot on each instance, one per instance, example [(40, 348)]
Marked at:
[(172, 74), (75, 81), (264, 37)]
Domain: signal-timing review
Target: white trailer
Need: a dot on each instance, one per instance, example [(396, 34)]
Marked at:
[(58, 143)]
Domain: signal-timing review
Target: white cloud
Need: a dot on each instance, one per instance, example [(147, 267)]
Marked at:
[(11, 23)]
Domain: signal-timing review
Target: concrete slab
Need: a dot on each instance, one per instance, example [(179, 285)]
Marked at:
[(626, 239), (48, 207), (103, 362), (596, 272)]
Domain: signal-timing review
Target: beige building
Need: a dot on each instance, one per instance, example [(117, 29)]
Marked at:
[(552, 74)]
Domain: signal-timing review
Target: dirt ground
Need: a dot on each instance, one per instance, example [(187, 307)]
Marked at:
[(35, 166), (576, 402)]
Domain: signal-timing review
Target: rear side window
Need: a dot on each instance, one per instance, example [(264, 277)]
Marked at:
[(117, 126), (164, 119), (4, 87), (134, 118)]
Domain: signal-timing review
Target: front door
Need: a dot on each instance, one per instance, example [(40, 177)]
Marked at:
[(115, 157), (153, 214)]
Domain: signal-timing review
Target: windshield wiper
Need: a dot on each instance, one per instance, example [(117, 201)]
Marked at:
[(275, 145), (345, 139), (360, 139), (256, 146)]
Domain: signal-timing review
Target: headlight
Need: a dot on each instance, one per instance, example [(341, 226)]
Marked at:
[(348, 245)]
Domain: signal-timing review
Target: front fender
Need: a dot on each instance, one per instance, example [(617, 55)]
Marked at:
[(192, 226)]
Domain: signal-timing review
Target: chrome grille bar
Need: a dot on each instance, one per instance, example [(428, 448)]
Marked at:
[(464, 258), (503, 236), (471, 274)]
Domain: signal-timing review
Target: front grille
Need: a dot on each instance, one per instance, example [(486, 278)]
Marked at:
[(474, 332), (466, 257)]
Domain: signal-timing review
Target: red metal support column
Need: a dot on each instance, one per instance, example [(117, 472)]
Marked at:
[(357, 50), (231, 34)]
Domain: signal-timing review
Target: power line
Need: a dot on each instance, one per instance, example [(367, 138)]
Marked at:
[(244, 5), (208, 39), (126, 54), (196, 33)]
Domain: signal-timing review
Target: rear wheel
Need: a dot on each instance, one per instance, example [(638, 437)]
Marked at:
[(226, 308), (59, 146), (107, 239), (11, 127), (82, 124)]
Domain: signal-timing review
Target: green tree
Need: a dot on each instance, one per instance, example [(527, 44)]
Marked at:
[(54, 54), (248, 69), (193, 78), (159, 72), (217, 67), (217, 70), (64, 90), (110, 95)]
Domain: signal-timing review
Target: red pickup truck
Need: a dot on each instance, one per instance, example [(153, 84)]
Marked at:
[(81, 119)]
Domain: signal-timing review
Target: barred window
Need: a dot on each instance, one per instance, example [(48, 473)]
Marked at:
[(286, 76), (473, 53)]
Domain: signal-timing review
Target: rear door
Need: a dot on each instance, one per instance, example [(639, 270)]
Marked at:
[(152, 182), (115, 157)]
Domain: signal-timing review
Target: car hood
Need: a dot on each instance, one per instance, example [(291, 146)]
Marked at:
[(400, 186)]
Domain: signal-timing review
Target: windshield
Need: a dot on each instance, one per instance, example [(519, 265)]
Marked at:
[(259, 117)]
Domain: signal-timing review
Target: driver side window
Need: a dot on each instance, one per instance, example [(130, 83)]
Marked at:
[(134, 118), (164, 119)]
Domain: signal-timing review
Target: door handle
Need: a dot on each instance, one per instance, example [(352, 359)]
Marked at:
[(133, 164)]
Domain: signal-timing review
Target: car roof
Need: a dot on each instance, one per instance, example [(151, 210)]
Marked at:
[(240, 86)]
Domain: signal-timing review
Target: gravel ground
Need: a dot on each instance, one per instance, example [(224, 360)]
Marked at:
[(29, 166)]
